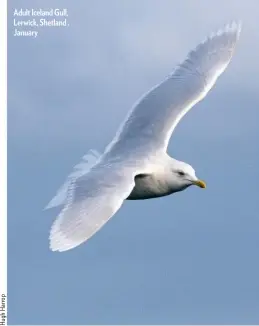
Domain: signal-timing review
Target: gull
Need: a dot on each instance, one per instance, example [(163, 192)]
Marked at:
[(135, 165)]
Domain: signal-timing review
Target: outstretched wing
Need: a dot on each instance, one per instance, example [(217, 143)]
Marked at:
[(87, 162), (92, 201), (152, 120)]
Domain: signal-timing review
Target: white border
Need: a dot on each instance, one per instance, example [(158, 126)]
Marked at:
[(3, 148)]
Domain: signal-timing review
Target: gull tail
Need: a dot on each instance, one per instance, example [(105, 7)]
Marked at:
[(87, 162)]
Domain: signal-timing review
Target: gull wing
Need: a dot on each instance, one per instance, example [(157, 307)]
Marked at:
[(150, 123), (92, 200)]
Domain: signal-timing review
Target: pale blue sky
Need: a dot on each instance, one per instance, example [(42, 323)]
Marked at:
[(190, 258)]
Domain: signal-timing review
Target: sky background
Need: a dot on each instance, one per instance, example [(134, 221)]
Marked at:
[(190, 258)]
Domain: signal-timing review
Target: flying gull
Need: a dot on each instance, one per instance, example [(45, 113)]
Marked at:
[(135, 165)]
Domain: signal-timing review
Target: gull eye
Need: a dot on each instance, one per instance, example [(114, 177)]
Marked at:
[(181, 173)]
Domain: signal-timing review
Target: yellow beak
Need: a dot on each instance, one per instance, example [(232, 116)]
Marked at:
[(200, 183)]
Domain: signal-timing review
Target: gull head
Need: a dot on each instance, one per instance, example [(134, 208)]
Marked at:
[(183, 175)]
